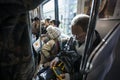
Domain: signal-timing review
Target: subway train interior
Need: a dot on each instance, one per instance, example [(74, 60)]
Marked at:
[(40, 40)]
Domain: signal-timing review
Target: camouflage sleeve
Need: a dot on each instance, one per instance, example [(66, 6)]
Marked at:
[(16, 57)]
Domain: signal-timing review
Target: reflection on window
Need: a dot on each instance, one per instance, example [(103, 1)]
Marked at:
[(106, 10)]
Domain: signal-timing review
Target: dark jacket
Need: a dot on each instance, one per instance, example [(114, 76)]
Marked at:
[(78, 74)]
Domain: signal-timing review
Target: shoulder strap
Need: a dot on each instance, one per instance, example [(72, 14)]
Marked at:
[(98, 39)]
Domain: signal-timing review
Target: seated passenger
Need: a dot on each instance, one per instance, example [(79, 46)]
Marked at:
[(51, 47), (79, 27)]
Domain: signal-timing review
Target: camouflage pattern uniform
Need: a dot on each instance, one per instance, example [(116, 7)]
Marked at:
[(16, 57)]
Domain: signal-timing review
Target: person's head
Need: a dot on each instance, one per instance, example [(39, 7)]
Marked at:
[(36, 20), (47, 22), (42, 22), (79, 26), (36, 25), (53, 32), (54, 23)]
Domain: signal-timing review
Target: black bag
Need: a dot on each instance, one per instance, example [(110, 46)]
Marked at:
[(46, 74)]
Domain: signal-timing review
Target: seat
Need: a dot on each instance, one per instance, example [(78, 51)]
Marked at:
[(114, 72), (103, 26), (101, 59)]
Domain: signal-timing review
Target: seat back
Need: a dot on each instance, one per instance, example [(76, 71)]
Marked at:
[(102, 57), (103, 26), (114, 73)]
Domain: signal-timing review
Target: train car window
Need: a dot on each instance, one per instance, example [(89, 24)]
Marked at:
[(107, 8), (34, 13), (67, 10), (48, 10)]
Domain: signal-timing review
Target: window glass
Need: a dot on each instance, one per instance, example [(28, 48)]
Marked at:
[(48, 10), (67, 10), (107, 8)]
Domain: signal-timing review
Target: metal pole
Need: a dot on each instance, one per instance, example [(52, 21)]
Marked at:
[(56, 11), (90, 32)]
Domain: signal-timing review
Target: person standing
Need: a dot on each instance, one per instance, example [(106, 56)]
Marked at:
[(16, 60)]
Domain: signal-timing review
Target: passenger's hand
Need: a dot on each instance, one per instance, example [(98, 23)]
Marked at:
[(54, 62), (65, 76)]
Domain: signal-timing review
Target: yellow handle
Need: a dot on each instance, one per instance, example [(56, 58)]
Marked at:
[(59, 77)]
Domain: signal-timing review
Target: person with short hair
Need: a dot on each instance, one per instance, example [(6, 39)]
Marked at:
[(35, 29), (79, 27)]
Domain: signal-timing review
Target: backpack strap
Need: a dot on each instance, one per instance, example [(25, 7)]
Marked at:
[(98, 37), (96, 41)]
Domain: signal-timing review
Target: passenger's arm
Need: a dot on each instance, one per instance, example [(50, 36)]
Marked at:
[(45, 55)]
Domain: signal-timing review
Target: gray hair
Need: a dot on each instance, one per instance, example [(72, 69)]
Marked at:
[(81, 20)]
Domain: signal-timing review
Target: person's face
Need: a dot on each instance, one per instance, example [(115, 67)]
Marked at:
[(46, 23), (51, 23), (78, 33)]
